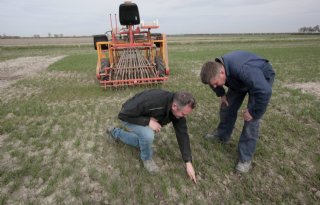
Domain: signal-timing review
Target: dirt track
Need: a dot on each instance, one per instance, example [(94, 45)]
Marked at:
[(15, 69), (310, 87)]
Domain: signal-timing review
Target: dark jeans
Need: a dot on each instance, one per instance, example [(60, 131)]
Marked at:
[(228, 117)]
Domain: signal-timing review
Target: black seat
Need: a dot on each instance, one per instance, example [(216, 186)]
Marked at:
[(129, 14)]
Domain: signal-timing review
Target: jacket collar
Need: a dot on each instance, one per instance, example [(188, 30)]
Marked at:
[(226, 68)]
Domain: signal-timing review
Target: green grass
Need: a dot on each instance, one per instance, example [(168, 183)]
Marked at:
[(52, 149)]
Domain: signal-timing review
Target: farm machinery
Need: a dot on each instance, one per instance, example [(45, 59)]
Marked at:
[(131, 55)]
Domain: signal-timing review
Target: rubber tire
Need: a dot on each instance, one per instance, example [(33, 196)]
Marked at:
[(160, 66), (156, 36), (100, 38), (103, 66)]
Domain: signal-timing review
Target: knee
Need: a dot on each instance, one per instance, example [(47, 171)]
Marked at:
[(148, 136), (252, 129)]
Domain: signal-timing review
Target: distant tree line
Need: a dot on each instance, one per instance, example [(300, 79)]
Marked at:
[(34, 36), (50, 35), (310, 29), (55, 35), (305, 29), (5, 36)]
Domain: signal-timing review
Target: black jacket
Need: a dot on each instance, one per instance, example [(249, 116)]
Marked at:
[(157, 104)]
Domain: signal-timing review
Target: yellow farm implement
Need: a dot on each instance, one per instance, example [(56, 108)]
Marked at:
[(131, 55)]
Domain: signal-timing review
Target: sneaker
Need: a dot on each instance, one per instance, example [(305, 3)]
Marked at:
[(151, 166), (243, 167), (109, 137)]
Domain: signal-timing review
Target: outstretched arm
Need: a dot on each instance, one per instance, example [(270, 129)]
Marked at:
[(191, 172)]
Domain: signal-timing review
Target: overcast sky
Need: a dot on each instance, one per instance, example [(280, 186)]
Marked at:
[(89, 17)]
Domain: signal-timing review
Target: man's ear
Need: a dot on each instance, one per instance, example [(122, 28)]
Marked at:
[(174, 106)]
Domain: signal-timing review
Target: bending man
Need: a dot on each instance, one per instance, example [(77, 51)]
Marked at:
[(146, 113), (243, 73)]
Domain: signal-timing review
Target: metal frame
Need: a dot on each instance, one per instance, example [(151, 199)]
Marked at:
[(131, 52)]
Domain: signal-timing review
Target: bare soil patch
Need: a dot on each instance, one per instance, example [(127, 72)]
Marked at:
[(19, 68), (309, 87)]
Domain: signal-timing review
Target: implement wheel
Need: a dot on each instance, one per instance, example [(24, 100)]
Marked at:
[(105, 63), (160, 67), (100, 38)]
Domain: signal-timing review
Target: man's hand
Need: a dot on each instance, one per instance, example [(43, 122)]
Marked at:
[(153, 123), (191, 172), (223, 100), (246, 115)]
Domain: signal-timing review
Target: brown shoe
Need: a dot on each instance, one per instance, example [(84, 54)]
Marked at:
[(109, 137), (151, 166)]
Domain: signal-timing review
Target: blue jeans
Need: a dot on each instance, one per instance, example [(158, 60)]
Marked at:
[(137, 136), (228, 117)]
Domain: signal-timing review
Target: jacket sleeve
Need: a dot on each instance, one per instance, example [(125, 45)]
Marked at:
[(133, 112), (181, 131), (259, 88), (218, 90)]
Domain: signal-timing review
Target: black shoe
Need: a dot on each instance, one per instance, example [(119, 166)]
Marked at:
[(213, 136)]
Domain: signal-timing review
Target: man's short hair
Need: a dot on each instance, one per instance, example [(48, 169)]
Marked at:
[(184, 98), (210, 69)]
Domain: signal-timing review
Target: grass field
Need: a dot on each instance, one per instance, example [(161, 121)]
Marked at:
[(52, 147)]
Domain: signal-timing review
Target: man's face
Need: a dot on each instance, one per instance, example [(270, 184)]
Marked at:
[(180, 112), (219, 80)]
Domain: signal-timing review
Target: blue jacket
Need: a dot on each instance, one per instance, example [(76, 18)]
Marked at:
[(248, 73)]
